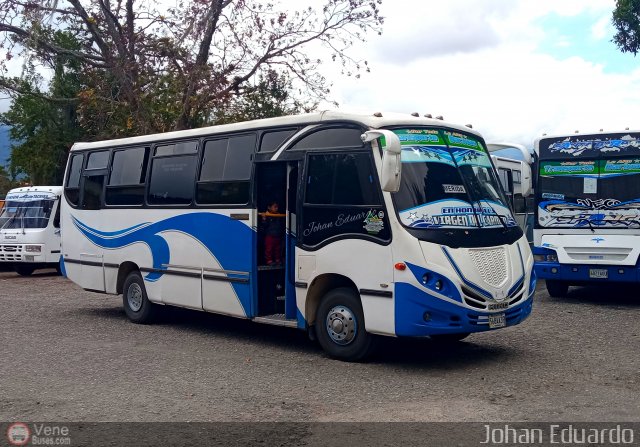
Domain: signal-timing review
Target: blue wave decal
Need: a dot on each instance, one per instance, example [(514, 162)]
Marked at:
[(222, 236)]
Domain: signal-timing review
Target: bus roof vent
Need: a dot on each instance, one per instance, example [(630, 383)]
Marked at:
[(439, 117), (428, 115), (577, 131), (415, 114), (378, 115), (470, 126)]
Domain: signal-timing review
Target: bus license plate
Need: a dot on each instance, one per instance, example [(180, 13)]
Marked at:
[(599, 273), (497, 320)]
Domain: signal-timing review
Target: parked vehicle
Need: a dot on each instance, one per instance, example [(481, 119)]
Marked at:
[(392, 225), (30, 228), (587, 226), (512, 167)]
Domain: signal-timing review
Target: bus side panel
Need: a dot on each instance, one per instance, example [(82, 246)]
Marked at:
[(176, 253), (368, 265)]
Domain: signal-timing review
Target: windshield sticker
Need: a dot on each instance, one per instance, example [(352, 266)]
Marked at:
[(462, 141), (419, 137), (454, 189), (590, 185), (422, 154), (577, 146), (548, 195), (27, 197), (612, 168), (569, 168), (456, 214), (590, 213)]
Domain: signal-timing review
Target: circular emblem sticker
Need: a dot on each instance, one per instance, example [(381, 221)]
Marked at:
[(18, 433)]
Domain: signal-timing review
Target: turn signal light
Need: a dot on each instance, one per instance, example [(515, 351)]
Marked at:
[(401, 266)]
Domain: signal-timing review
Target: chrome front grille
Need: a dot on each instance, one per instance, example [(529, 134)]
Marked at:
[(492, 265), (11, 252)]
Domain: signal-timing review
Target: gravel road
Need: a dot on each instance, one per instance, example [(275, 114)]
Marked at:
[(71, 355)]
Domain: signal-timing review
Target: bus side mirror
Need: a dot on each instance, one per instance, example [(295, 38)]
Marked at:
[(391, 159), (525, 179)]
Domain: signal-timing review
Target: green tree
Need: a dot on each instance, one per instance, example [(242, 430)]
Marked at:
[(270, 97), (626, 20), (44, 124), (144, 70)]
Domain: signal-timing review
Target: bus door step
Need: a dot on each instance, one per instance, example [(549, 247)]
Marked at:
[(276, 320)]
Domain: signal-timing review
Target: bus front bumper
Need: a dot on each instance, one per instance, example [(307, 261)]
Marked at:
[(419, 314), (586, 273)]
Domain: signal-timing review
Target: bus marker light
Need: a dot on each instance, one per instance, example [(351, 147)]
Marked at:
[(401, 266), (621, 271), (426, 316), (425, 278), (438, 285), (554, 270)]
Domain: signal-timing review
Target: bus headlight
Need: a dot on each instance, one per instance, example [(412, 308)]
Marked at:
[(33, 248), (438, 285)]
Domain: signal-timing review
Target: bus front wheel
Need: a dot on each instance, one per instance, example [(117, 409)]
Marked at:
[(134, 299), (557, 289), (340, 326)]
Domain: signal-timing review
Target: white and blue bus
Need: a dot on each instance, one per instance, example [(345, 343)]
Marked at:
[(30, 229), (389, 225), (587, 227)]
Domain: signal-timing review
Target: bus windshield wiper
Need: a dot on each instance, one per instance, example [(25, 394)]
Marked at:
[(500, 217)]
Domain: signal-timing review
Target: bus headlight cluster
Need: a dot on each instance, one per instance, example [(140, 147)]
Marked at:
[(33, 248), (546, 258)]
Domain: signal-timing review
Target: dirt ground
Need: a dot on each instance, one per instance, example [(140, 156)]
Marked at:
[(71, 355)]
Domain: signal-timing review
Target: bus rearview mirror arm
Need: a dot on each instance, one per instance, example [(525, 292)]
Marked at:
[(391, 171)]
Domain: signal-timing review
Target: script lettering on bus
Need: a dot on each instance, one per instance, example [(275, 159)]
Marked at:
[(342, 219)]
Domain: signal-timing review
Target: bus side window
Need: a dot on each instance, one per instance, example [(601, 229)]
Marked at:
[(128, 174), (226, 170), (56, 218), (72, 188), (173, 171), (93, 180)]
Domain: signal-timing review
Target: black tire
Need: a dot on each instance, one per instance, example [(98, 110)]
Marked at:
[(557, 289), (58, 269), (135, 302), (449, 338), (24, 270), (350, 342)]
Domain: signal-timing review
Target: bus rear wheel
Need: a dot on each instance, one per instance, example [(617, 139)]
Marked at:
[(340, 326), (557, 289), (24, 270), (134, 300)]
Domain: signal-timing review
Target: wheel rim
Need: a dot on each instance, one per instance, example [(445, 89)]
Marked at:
[(134, 297), (341, 325)]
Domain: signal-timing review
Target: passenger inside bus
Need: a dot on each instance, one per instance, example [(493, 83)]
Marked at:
[(272, 222)]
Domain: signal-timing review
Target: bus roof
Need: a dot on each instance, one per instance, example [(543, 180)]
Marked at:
[(372, 121), (584, 134)]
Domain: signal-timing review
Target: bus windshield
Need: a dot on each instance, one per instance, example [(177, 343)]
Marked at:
[(26, 214), (448, 182), (590, 193)]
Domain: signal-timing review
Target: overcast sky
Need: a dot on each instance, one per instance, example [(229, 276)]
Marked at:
[(515, 69)]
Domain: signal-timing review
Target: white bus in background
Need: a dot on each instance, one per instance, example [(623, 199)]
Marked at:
[(30, 228), (391, 225), (587, 226), (514, 163)]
